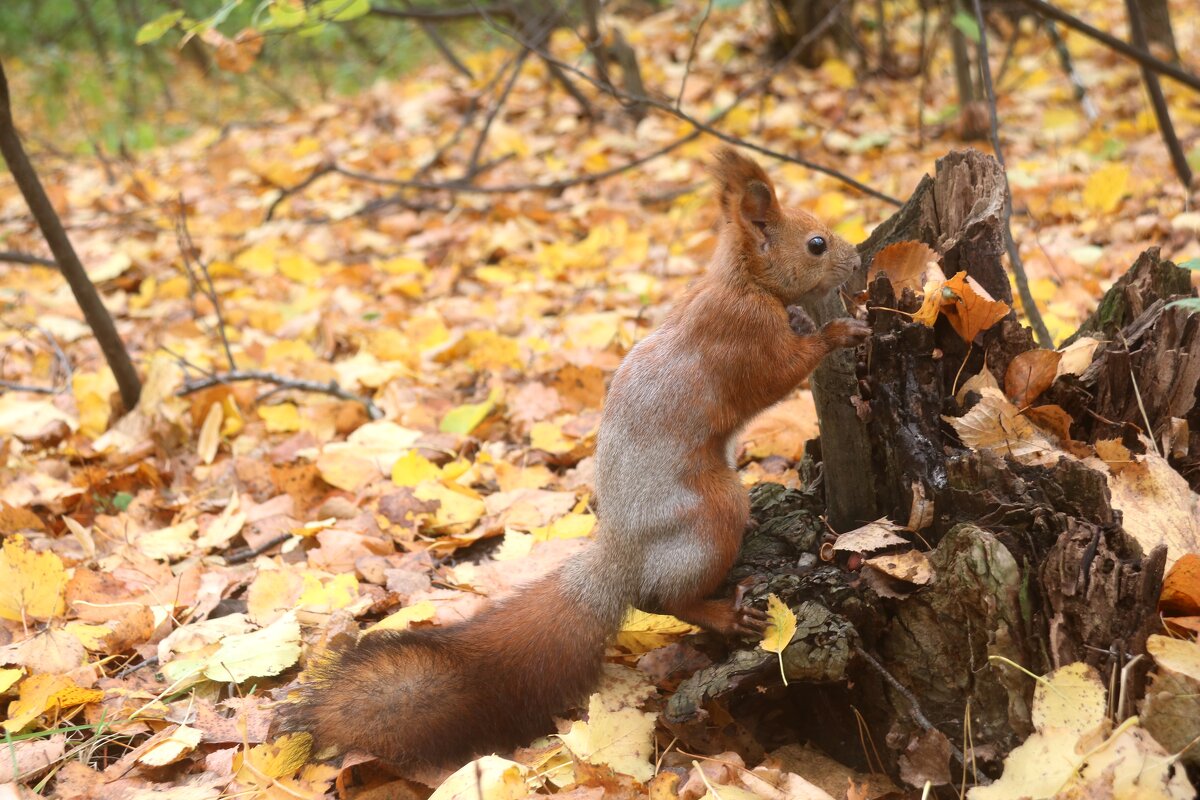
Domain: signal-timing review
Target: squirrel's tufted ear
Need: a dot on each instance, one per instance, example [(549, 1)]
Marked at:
[(746, 193)]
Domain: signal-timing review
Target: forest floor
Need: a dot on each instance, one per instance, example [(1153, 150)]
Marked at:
[(231, 530)]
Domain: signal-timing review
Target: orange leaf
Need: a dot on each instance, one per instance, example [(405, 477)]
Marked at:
[(1181, 588), (905, 264), (970, 312), (1030, 374), (1052, 419)]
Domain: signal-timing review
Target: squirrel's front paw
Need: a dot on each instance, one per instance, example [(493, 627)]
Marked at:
[(845, 332), (802, 324)]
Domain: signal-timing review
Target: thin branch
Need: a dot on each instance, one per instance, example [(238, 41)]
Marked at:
[(1014, 256), (1068, 65), (11, 386), (687, 68), (435, 37), (440, 14), (707, 127), (14, 257), (323, 169), (1140, 56), (94, 311), (917, 715), (477, 150), (234, 376), (1162, 113), (191, 261)]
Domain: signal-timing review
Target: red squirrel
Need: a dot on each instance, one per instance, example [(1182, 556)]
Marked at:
[(672, 510)]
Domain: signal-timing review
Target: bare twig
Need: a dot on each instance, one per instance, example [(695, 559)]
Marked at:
[(707, 127), (1068, 65), (192, 262), (284, 194), (477, 150), (441, 14), (917, 715), (12, 386), (437, 40), (14, 257), (244, 554), (331, 388), (1014, 256), (1162, 113), (1141, 56), (687, 67), (97, 316)]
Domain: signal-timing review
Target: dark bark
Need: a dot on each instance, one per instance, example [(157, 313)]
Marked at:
[(1156, 14), (959, 213), (94, 312), (792, 20)]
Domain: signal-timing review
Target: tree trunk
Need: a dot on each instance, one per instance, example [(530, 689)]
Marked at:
[(1156, 14), (792, 20)]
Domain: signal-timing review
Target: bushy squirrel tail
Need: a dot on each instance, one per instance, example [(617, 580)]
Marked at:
[(439, 695)]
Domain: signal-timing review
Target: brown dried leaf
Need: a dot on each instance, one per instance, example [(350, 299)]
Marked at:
[(995, 425), (1030, 374)]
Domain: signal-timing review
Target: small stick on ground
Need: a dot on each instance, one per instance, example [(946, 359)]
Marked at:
[(332, 388)]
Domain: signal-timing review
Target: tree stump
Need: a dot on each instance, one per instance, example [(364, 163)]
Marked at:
[(1030, 563)]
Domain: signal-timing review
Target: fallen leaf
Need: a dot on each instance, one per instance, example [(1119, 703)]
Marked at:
[(877, 535), (1029, 374), (1157, 506), (995, 425), (781, 627), (32, 585)]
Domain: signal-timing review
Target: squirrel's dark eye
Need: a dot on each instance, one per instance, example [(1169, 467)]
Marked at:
[(816, 245)]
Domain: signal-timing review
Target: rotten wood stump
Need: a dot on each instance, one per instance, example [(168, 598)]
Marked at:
[(1031, 564)]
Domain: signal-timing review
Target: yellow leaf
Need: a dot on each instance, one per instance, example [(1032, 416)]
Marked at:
[(210, 433), (272, 594), (8, 677), (1105, 187), (31, 584), (259, 654), (403, 266), (851, 229), (458, 508), (781, 627), (234, 423), (570, 526), (413, 468), (467, 417), (289, 350), (90, 636), (641, 632), (92, 391), (271, 761), (299, 269), (42, 693), (549, 437), (838, 73), (283, 418), (324, 597), (622, 739), (400, 620)]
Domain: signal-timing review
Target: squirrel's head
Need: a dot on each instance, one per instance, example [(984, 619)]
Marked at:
[(787, 252)]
